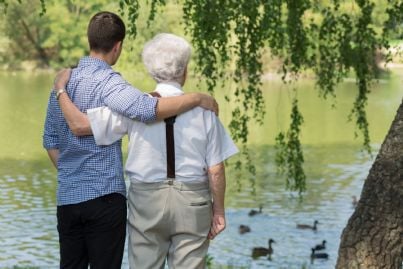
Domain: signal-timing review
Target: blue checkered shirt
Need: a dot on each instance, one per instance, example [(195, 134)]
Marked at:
[(85, 170)]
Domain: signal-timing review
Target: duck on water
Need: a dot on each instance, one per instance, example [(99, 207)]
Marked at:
[(309, 227), (320, 246), (261, 251), (315, 256), (254, 212), (243, 229)]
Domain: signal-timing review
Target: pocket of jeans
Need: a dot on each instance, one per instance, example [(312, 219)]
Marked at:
[(198, 210), (203, 203), (197, 198)]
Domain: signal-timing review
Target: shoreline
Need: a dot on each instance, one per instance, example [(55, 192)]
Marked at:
[(267, 76)]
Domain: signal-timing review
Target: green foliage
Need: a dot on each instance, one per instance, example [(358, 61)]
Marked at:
[(209, 261), (24, 29), (55, 39), (363, 49), (298, 43), (235, 33), (393, 25), (334, 33), (289, 157), (153, 11), (132, 7), (208, 23), (43, 8), (3, 5), (347, 42), (272, 25)]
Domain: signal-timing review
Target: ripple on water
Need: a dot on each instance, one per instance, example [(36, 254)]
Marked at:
[(278, 221), (29, 236)]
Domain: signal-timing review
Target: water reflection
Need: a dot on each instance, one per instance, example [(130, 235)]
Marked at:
[(328, 199), (27, 215), (28, 222)]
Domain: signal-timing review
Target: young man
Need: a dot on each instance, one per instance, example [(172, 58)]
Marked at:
[(91, 212)]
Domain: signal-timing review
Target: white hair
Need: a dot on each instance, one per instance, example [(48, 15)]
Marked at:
[(166, 57)]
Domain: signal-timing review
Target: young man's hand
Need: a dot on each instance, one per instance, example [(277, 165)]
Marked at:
[(61, 79), (208, 102)]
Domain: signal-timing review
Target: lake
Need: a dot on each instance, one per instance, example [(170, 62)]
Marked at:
[(335, 166)]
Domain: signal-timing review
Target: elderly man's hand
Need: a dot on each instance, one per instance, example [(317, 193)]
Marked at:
[(217, 225), (62, 78), (209, 103)]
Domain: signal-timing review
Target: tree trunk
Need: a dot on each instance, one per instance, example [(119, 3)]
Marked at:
[(41, 52), (374, 233)]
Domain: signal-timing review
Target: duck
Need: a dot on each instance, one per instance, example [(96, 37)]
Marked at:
[(261, 251), (321, 255), (320, 246), (254, 212), (243, 229), (306, 226)]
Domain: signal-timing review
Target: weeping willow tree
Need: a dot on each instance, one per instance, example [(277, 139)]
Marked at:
[(325, 36), (316, 35)]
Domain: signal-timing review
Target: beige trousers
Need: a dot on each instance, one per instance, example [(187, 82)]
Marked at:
[(168, 221)]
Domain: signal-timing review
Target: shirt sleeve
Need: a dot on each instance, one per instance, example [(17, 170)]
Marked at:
[(220, 145), (107, 126), (50, 134), (123, 98)]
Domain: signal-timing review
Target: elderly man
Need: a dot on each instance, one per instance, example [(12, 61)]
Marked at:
[(176, 169)]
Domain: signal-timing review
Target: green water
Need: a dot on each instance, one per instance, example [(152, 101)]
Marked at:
[(335, 168)]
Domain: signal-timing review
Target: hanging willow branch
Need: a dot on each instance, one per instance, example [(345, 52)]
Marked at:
[(364, 52), (334, 42), (153, 10), (297, 39), (208, 22), (289, 156), (221, 29), (132, 8), (395, 18)]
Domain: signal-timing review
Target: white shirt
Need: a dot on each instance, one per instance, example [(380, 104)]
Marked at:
[(200, 141)]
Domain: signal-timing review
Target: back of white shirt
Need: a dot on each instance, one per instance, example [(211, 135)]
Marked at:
[(200, 142)]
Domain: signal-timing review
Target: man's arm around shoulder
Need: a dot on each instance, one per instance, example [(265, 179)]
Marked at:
[(171, 106), (165, 108)]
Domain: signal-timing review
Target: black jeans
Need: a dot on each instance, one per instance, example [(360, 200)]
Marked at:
[(93, 232)]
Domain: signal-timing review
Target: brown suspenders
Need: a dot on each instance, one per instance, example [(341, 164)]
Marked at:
[(169, 129)]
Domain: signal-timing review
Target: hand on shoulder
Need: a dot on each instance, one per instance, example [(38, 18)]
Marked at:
[(61, 79)]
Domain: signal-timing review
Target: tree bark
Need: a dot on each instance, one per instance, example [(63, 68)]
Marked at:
[(373, 236)]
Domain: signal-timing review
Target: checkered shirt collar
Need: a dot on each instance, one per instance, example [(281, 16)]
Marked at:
[(88, 60)]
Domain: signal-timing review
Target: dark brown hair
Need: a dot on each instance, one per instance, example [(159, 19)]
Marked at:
[(104, 30)]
